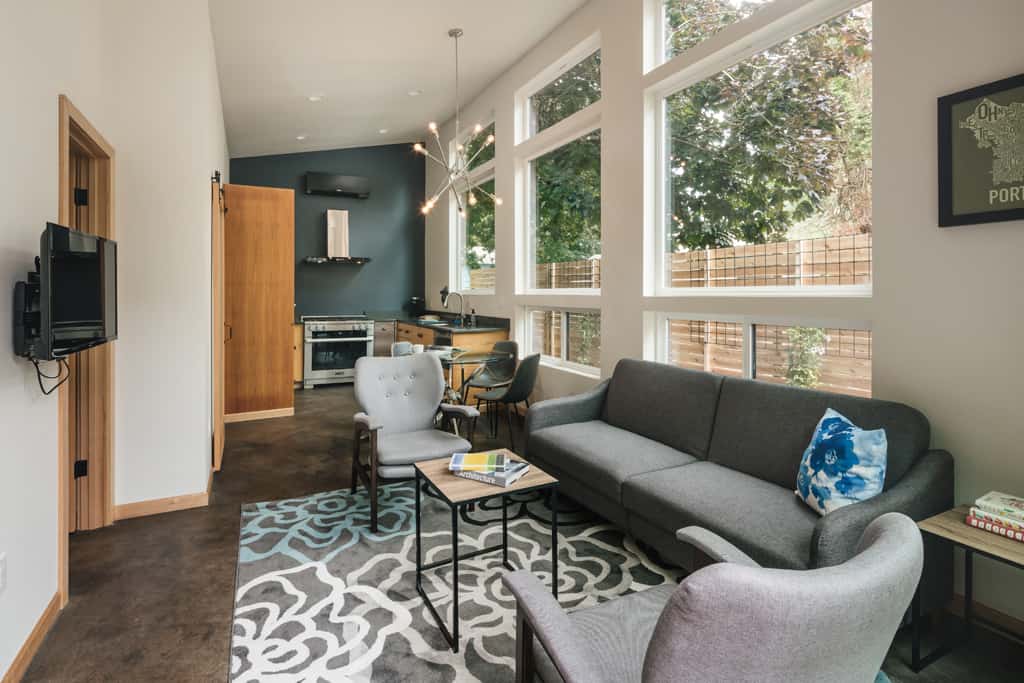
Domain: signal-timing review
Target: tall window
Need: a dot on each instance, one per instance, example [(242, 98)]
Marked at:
[(565, 216), (826, 359), (475, 255), (572, 91), (766, 175), (569, 338)]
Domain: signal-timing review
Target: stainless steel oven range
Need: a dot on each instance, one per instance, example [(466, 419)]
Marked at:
[(333, 344)]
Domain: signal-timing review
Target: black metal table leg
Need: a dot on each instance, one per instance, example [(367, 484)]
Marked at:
[(419, 548), (504, 532), (554, 541), (968, 592), (455, 578)]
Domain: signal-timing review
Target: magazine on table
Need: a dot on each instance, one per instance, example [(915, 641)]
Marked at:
[(511, 474)]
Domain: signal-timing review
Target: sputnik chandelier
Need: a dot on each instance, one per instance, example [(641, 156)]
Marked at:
[(456, 163)]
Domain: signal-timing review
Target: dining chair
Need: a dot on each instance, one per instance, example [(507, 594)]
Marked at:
[(511, 395), (498, 373)]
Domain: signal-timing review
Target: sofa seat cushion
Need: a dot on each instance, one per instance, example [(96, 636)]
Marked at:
[(616, 632), (766, 521), (602, 455)]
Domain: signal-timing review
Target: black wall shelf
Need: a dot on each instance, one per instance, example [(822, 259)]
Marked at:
[(350, 260)]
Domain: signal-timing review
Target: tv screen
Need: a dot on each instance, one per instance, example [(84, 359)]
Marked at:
[(78, 291)]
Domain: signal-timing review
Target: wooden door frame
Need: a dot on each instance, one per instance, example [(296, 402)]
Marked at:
[(217, 320), (72, 124)]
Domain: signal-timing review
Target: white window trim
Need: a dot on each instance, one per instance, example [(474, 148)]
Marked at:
[(526, 340), (656, 330), (566, 62), (769, 26)]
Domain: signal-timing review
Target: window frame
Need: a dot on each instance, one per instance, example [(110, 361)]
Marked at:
[(560, 66), (656, 324), (559, 363), (775, 23), (484, 173)]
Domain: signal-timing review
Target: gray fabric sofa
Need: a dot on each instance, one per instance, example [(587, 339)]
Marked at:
[(657, 448)]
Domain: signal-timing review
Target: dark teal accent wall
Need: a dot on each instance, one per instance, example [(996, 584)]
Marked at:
[(387, 227)]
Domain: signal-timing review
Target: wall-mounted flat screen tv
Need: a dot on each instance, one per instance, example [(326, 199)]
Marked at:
[(77, 291)]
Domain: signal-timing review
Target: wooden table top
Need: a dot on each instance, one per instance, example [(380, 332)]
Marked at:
[(951, 526), (460, 490)]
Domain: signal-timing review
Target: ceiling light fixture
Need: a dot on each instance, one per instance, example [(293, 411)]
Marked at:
[(383, 131), (415, 93), (315, 98), (300, 138), (456, 164)]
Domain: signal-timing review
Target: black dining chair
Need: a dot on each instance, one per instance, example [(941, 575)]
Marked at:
[(511, 395), (498, 373)]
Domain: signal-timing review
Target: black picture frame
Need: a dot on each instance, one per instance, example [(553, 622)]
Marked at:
[(947, 217)]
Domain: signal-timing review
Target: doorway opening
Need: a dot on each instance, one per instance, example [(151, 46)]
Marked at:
[(85, 415)]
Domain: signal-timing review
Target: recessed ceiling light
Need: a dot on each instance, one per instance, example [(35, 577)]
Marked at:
[(415, 93), (383, 131), (300, 138), (315, 98)]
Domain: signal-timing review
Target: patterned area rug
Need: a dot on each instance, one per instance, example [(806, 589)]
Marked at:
[(319, 597)]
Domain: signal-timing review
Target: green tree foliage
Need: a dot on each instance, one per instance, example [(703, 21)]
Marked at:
[(576, 89), (568, 201), (480, 229), (478, 152), (762, 145), (803, 360)]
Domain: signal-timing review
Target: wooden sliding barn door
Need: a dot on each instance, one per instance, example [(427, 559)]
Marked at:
[(259, 296)]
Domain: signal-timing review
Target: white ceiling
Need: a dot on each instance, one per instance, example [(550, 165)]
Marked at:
[(363, 57)]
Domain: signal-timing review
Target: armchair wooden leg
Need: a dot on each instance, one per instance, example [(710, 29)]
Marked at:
[(355, 458), (524, 649), (373, 481)]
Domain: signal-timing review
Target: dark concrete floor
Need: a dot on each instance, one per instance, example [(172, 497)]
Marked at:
[(151, 598)]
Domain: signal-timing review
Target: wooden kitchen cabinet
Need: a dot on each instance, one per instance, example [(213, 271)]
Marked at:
[(415, 334), (298, 347)]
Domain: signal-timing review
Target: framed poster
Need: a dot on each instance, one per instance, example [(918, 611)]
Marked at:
[(981, 154)]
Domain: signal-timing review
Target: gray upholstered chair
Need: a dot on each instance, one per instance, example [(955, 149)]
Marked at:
[(400, 401), (731, 621)]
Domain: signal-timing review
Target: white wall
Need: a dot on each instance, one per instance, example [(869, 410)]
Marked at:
[(948, 321), (144, 74), (944, 313)]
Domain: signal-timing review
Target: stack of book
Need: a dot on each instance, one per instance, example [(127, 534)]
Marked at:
[(999, 513), (490, 467)]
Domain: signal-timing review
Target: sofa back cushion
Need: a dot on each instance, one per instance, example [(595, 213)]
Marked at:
[(667, 404), (762, 429)]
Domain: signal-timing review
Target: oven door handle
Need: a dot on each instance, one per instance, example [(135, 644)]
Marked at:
[(339, 340)]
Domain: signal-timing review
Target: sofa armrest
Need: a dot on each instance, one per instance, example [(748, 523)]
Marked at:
[(367, 423), (714, 546), (925, 490), (552, 627), (559, 411)]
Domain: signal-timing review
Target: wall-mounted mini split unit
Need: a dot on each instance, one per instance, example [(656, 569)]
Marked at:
[(337, 185)]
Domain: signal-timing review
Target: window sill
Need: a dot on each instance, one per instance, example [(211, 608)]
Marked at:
[(844, 291), (561, 292), (477, 292), (571, 368)]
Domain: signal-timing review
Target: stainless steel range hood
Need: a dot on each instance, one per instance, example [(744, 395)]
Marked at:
[(337, 241)]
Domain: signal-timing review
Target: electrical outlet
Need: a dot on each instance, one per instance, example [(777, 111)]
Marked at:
[(3, 571)]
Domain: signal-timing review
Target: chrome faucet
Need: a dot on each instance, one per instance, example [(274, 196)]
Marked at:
[(446, 294)]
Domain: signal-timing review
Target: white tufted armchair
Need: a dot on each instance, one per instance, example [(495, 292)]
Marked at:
[(400, 399)]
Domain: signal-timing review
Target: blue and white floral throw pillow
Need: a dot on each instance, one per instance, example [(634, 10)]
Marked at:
[(844, 464)]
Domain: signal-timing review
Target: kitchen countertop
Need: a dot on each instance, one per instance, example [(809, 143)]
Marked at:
[(487, 323)]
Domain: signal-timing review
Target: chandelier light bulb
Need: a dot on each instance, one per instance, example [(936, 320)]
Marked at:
[(418, 148), (498, 201), (472, 199), (490, 139), (432, 126), (425, 210), (478, 129)]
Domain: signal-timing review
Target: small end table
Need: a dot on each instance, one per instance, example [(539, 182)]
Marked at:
[(459, 493), (951, 526)]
